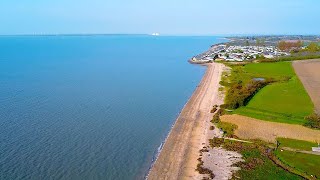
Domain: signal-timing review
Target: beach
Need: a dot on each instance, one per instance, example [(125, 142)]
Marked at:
[(178, 157)]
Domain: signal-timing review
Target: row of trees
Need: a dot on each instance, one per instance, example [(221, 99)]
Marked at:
[(289, 45), (297, 45)]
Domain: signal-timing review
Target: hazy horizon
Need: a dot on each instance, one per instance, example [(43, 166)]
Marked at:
[(205, 17), (119, 34)]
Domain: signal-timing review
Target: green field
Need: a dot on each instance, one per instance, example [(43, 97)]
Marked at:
[(305, 163), (270, 70), (296, 144), (278, 71), (284, 101)]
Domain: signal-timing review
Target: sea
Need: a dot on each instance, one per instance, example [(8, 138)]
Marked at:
[(91, 106)]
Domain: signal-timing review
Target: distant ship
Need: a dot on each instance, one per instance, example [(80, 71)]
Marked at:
[(155, 34)]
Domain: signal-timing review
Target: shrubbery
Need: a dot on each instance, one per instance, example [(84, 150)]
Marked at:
[(215, 118), (216, 142), (214, 109), (224, 83), (293, 57), (227, 128), (200, 168), (239, 95), (313, 121), (203, 170)]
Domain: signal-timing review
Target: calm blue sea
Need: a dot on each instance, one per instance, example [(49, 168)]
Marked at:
[(91, 107)]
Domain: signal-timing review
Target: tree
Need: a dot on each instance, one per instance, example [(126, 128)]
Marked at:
[(313, 47), (301, 43), (282, 45), (263, 42), (290, 45), (247, 43), (258, 42)]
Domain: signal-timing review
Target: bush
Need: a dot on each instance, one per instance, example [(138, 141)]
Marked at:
[(239, 95), (214, 109), (313, 121), (313, 47), (215, 118), (260, 57), (216, 142), (223, 106), (221, 111), (227, 128), (224, 83), (211, 128), (268, 60), (203, 170)]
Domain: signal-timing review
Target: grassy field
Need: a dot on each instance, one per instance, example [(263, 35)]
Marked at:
[(284, 101), (296, 144), (306, 163), (244, 73), (270, 70)]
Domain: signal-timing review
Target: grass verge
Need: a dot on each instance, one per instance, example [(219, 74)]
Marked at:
[(296, 144), (304, 163)]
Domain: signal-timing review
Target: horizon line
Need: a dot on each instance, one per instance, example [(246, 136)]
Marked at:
[(150, 34)]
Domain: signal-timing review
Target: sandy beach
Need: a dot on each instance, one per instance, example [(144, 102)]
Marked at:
[(178, 158)]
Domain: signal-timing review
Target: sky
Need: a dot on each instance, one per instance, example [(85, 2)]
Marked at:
[(171, 17)]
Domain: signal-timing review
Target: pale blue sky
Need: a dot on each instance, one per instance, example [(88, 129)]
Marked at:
[(178, 17)]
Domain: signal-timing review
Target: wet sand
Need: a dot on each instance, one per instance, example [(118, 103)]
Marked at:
[(178, 158)]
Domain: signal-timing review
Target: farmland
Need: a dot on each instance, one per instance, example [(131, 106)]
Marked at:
[(264, 160), (269, 131), (283, 100), (268, 102), (308, 72)]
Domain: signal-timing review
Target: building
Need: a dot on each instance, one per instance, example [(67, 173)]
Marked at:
[(316, 149)]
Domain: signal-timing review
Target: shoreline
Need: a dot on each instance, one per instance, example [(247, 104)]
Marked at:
[(178, 156), (160, 148)]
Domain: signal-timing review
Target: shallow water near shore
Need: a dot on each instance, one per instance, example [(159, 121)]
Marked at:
[(91, 107)]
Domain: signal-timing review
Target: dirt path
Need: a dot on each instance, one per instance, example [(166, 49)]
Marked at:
[(300, 151), (309, 74), (178, 158)]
